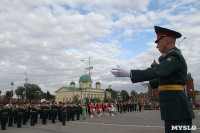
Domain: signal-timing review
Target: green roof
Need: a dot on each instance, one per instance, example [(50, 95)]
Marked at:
[(72, 83), (85, 79), (98, 83), (73, 88)]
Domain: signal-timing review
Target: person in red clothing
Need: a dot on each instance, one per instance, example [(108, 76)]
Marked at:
[(99, 109), (92, 110), (106, 107)]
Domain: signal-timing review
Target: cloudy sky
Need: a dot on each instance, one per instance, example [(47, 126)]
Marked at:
[(47, 39)]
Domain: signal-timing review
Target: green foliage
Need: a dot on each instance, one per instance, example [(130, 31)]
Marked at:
[(75, 99), (107, 100), (114, 93), (96, 99), (8, 95), (49, 96), (125, 96), (133, 94), (19, 92)]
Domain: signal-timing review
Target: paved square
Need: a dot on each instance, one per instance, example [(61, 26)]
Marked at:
[(147, 121)]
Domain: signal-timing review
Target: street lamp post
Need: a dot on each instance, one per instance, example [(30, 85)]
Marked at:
[(12, 83), (26, 79), (89, 68)]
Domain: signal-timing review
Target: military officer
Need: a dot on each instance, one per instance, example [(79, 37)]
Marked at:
[(73, 109), (79, 111), (33, 112), (10, 118), (53, 112), (63, 114), (4, 117), (68, 111), (44, 113), (20, 113), (169, 77)]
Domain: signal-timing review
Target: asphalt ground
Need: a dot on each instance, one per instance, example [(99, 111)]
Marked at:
[(147, 121)]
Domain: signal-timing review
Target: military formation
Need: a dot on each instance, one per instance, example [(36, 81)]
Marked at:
[(23, 114)]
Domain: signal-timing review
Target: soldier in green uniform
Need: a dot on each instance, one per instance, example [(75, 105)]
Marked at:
[(53, 112), (33, 112), (10, 118), (25, 115), (169, 77), (78, 111), (63, 114), (4, 117), (68, 111), (15, 114), (20, 113), (44, 113)]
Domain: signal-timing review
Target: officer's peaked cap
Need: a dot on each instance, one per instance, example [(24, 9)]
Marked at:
[(164, 32)]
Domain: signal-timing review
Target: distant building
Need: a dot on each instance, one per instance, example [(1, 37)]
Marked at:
[(142, 97), (65, 94), (197, 96), (190, 85)]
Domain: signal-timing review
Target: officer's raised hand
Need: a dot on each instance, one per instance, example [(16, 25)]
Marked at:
[(120, 72)]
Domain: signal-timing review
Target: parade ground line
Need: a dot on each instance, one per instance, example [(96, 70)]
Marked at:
[(147, 126)]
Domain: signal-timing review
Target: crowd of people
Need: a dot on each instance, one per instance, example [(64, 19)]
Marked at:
[(22, 114)]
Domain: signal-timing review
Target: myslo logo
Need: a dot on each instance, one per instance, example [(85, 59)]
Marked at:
[(183, 127)]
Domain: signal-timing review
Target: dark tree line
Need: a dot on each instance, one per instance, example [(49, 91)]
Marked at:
[(30, 92)]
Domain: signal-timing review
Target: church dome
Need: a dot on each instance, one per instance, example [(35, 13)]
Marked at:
[(98, 83), (85, 79), (72, 83)]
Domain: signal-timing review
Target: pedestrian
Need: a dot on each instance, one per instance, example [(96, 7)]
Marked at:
[(84, 111), (169, 77), (112, 109), (92, 110)]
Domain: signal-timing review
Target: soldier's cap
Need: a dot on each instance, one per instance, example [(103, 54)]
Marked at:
[(164, 32)]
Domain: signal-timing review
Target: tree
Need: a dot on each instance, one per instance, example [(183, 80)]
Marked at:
[(8, 95), (75, 98), (49, 96), (31, 91), (108, 99), (20, 91), (124, 95), (114, 93), (133, 94), (96, 99)]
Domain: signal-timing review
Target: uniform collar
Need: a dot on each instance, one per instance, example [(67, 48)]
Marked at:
[(171, 50)]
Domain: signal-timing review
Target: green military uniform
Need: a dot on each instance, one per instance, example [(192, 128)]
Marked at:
[(44, 114), (10, 118), (4, 118), (25, 116), (68, 112), (169, 77), (20, 113), (73, 109), (63, 115), (78, 112), (53, 113), (33, 112), (174, 104)]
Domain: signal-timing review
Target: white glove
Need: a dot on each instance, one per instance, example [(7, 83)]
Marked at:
[(120, 72), (145, 83)]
